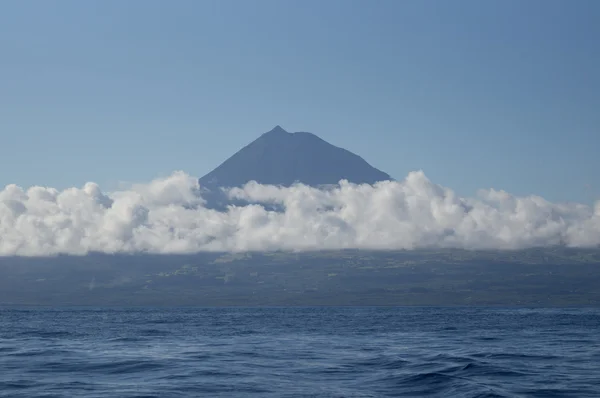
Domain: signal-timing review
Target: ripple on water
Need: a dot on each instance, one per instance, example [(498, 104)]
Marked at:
[(326, 352)]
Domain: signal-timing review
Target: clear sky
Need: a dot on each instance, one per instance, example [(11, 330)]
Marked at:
[(478, 94)]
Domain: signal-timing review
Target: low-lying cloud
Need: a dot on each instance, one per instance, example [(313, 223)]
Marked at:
[(169, 216)]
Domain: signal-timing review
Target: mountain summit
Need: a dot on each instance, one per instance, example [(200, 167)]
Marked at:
[(281, 158)]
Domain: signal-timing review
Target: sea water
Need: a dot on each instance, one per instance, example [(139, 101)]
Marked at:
[(299, 352)]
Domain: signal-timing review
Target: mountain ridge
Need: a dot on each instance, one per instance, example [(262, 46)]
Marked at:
[(278, 157)]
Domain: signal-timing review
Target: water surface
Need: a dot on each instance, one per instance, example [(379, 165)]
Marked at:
[(295, 352)]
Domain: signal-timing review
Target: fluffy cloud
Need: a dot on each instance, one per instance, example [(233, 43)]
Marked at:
[(169, 216)]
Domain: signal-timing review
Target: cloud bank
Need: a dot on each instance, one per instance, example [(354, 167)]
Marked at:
[(169, 216)]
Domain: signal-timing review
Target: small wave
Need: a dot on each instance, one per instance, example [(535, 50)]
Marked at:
[(153, 332), (41, 352), (490, 395), (483, 369), (47, 334), (417, 384), (511, 356), (382, 362), (488, 338), (427, 378), (18, 384), (6, 350), (128, 339), (124, 367)]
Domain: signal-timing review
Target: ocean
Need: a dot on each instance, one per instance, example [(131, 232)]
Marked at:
[(299, 352)]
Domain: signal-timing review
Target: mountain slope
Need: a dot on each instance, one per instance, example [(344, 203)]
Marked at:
[(281, 158)]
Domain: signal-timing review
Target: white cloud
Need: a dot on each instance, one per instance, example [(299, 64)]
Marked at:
[(168, 216)]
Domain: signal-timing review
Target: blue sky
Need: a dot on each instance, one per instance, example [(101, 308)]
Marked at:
[(478, 94)]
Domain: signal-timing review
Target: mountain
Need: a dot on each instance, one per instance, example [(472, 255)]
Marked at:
[(281, 158)]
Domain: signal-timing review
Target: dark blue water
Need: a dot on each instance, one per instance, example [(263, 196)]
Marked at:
[(295, 352)]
